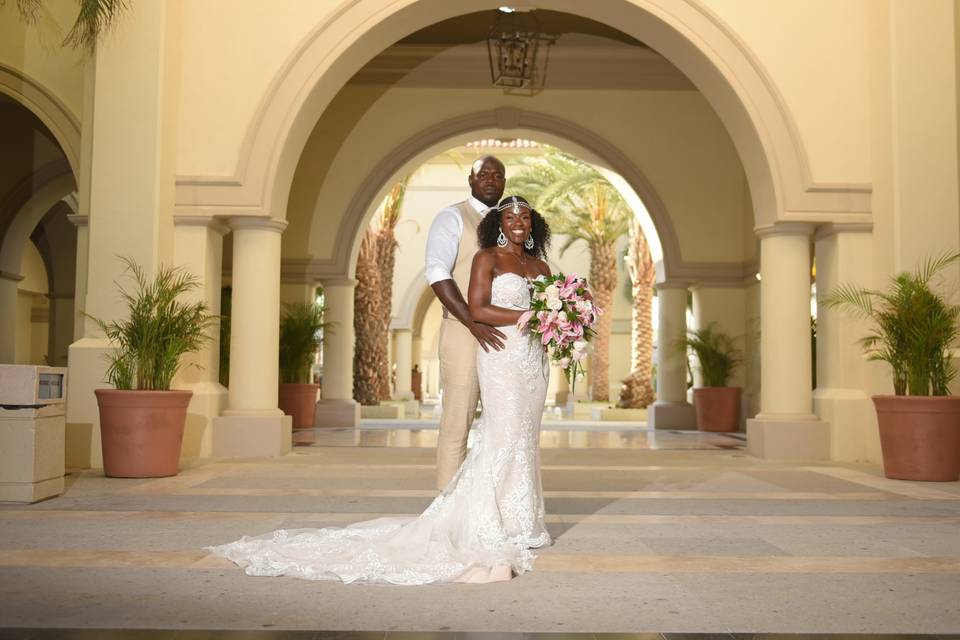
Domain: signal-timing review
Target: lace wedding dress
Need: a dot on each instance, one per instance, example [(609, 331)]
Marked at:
[(481, 528)]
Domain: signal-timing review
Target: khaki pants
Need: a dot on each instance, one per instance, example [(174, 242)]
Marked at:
[(458, 379)]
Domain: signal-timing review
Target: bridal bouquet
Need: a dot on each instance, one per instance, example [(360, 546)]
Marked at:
[(562, 314)]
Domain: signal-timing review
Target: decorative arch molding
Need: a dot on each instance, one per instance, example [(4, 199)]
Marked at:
[(29, 216), (689, 35), (20, 193), (427, 143), (50, 110)]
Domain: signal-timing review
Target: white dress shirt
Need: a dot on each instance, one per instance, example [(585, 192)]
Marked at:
[(443, 241)]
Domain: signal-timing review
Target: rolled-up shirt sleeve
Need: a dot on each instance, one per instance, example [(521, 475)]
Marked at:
[(443, 242)]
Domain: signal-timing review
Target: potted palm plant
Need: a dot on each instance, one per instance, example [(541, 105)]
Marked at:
[(141, 418), (913, 329), (717, 405), (301, 334)]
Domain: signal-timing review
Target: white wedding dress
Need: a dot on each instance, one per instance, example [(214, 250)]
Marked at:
[(481, 528)]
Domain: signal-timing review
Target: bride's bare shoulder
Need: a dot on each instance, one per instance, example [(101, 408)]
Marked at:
[(544, 268)]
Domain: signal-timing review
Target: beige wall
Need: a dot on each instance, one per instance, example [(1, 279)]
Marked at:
[(236, 49), (815, 53)]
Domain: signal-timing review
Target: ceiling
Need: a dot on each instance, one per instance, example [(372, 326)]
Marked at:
[(474, 27)]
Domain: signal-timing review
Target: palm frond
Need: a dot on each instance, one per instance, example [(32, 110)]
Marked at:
[(94, 19)]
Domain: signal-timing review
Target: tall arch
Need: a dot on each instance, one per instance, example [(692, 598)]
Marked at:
[(53, 113), (429, 142), (683, 31)]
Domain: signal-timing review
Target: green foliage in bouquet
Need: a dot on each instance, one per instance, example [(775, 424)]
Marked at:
[(912, 329), (716, 353), (159, 330), (301, 334)]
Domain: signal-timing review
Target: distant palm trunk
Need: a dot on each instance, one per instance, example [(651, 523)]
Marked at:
[(370, 356), (603, 277), (386, 241), (637, 389)]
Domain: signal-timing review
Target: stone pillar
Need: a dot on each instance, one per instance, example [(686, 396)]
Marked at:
[(126, 185), (198, 247), (786, 427), (403, 352), (252, 424), (337, 408), (8, 316), (62, 320), (80, 284), (844, 255), (671, 409)]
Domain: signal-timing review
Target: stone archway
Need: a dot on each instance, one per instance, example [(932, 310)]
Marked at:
[(559, 132), (704, 48), (49, 109)]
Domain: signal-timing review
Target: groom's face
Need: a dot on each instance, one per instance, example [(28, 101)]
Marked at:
[(487, 180)]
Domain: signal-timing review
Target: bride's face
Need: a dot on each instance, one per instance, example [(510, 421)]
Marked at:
[(516, 222)]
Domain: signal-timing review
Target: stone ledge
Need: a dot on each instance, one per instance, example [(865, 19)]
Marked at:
[(774, 438), (239, 436)]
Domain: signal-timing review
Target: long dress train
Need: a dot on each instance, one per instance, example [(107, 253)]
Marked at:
[(483, 525)]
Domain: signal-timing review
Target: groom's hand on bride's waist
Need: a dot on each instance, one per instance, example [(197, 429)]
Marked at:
[(488, 337)]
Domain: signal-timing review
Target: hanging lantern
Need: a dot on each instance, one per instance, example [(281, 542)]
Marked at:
[(518, 52)]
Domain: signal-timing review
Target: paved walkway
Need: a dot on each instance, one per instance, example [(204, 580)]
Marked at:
[(656, 532)]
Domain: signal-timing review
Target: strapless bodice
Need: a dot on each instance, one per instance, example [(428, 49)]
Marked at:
[(510, 291)]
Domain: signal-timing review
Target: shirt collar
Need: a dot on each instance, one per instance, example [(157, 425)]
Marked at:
[(478, 206)]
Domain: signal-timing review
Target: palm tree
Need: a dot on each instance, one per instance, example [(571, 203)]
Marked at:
[(637, 389), (370, 357), (581, 204), (386, 258)]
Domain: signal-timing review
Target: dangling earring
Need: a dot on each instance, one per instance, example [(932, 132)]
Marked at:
[(528, 243), (501, 239)]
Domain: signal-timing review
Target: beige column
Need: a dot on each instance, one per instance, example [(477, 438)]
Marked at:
[(786, 427), (60, 333), (198, 247), (844, 255), (8, 316), (337, 408), (252, 424), (403, 354), (126, 185), (80, 282), (671, 409)]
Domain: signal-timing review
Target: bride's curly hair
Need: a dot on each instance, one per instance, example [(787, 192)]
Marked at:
[(489, 228)]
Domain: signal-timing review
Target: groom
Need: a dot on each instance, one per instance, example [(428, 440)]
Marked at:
[(451, 245)]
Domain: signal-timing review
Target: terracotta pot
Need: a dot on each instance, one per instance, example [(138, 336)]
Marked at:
[(717, 408), (920, 437), (300, 402), (141, 432)]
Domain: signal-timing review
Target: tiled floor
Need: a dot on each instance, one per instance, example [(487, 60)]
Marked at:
[(666, 532), (152, 634), (555, 435)]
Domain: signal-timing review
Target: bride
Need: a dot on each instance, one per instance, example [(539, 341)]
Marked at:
[(483, 525)]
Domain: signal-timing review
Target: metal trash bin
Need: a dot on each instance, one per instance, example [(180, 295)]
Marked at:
[(32, 432)]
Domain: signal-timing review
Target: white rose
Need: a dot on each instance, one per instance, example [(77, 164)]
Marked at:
[(552, 291), (554, 304), (580, 345)]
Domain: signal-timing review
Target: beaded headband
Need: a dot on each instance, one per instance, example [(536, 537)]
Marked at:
[(516, 203)]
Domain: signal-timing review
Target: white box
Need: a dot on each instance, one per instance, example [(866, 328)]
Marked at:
[(31, 453), (25, 385)]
